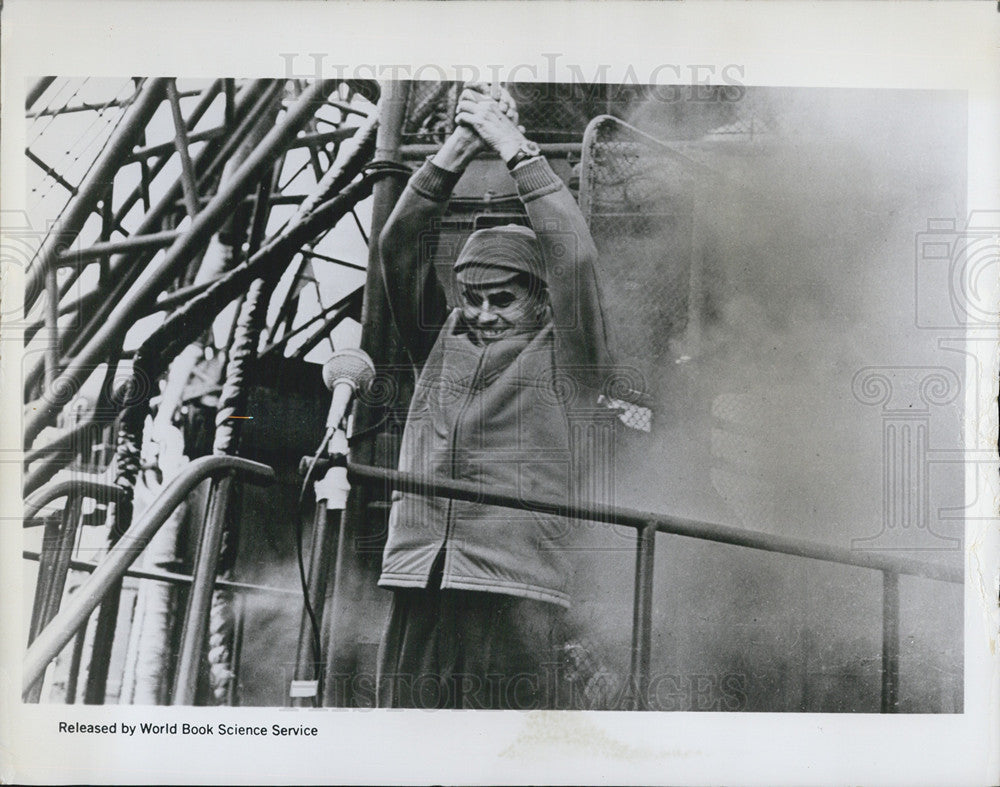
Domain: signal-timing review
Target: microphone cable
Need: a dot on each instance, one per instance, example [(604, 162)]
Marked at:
[(317, 672)]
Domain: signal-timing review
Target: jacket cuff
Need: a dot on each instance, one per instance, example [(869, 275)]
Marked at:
[(535, 178), (434, 183)]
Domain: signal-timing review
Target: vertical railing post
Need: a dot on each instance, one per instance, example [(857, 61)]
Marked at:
[(200, 596), (57, 549), (50, 536), (642, 613), (95, 688), (890, 641)]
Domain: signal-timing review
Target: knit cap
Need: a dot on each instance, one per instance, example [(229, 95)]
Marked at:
[(496, 255)]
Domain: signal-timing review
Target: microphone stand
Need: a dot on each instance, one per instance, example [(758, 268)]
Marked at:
[(331, 498)]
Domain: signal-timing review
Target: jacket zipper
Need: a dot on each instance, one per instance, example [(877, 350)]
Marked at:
[(454, 445)]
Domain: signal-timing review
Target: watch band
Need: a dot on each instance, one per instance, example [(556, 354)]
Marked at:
[(527, 150)]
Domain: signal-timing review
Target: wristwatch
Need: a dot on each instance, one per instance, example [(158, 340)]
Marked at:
[(528, 149)]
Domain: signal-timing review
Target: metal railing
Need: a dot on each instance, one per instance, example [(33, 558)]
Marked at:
[(79, 485), (648, 524), (117, 562)]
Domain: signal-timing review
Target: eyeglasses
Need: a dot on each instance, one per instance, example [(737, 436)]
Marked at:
[(499, 299)]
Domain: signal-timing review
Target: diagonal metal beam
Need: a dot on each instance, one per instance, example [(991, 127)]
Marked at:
[(87, 106), (125, 269), (50, 171), (259, 97), (204, 102), (181, 143), (202, 228), (94, 185), (36, 90)]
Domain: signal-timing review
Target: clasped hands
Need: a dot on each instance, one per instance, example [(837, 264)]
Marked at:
[(490, 113)]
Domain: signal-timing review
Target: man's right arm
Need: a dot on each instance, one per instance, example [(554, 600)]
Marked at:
[(416, 297)]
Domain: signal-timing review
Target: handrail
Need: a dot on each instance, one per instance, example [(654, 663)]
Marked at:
[(665, 523), (92, 485), (60, 630), (648, 524), (173, 578)]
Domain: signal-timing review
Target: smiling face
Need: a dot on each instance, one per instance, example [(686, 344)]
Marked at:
[(493, 311)]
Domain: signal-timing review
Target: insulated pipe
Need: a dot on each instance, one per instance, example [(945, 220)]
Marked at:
[(53, 638), (93, 186), (201, 230)]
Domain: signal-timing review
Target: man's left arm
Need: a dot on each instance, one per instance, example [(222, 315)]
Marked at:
[(570, 258)]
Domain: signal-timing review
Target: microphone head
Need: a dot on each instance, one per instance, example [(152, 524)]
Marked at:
[(351, 366)]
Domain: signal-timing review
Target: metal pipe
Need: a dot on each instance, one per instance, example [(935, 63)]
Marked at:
[(75, 660), (890, 642), (94, 185), (154, 240), (50, 171), (665, 523), (36, 90), (200, 596), (322, 137), (207, 97), (259, 95), (168, 148), (80, 484), (103, 642), (125, 271), (642, 614), (199, 233), (252, 104), (63, 552), (204, 102), (181, 144), (173, 578), (74, 614), (44, 578), (87, 106), (346, 108), (51, 326), (354, 584), (181, 295)]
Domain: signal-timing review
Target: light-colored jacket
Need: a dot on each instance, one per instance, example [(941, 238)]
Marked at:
[(493, 414)]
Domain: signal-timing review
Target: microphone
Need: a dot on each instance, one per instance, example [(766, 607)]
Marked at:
[(346, 372)]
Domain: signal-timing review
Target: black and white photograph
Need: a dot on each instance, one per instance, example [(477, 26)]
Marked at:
[(548, 405)]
